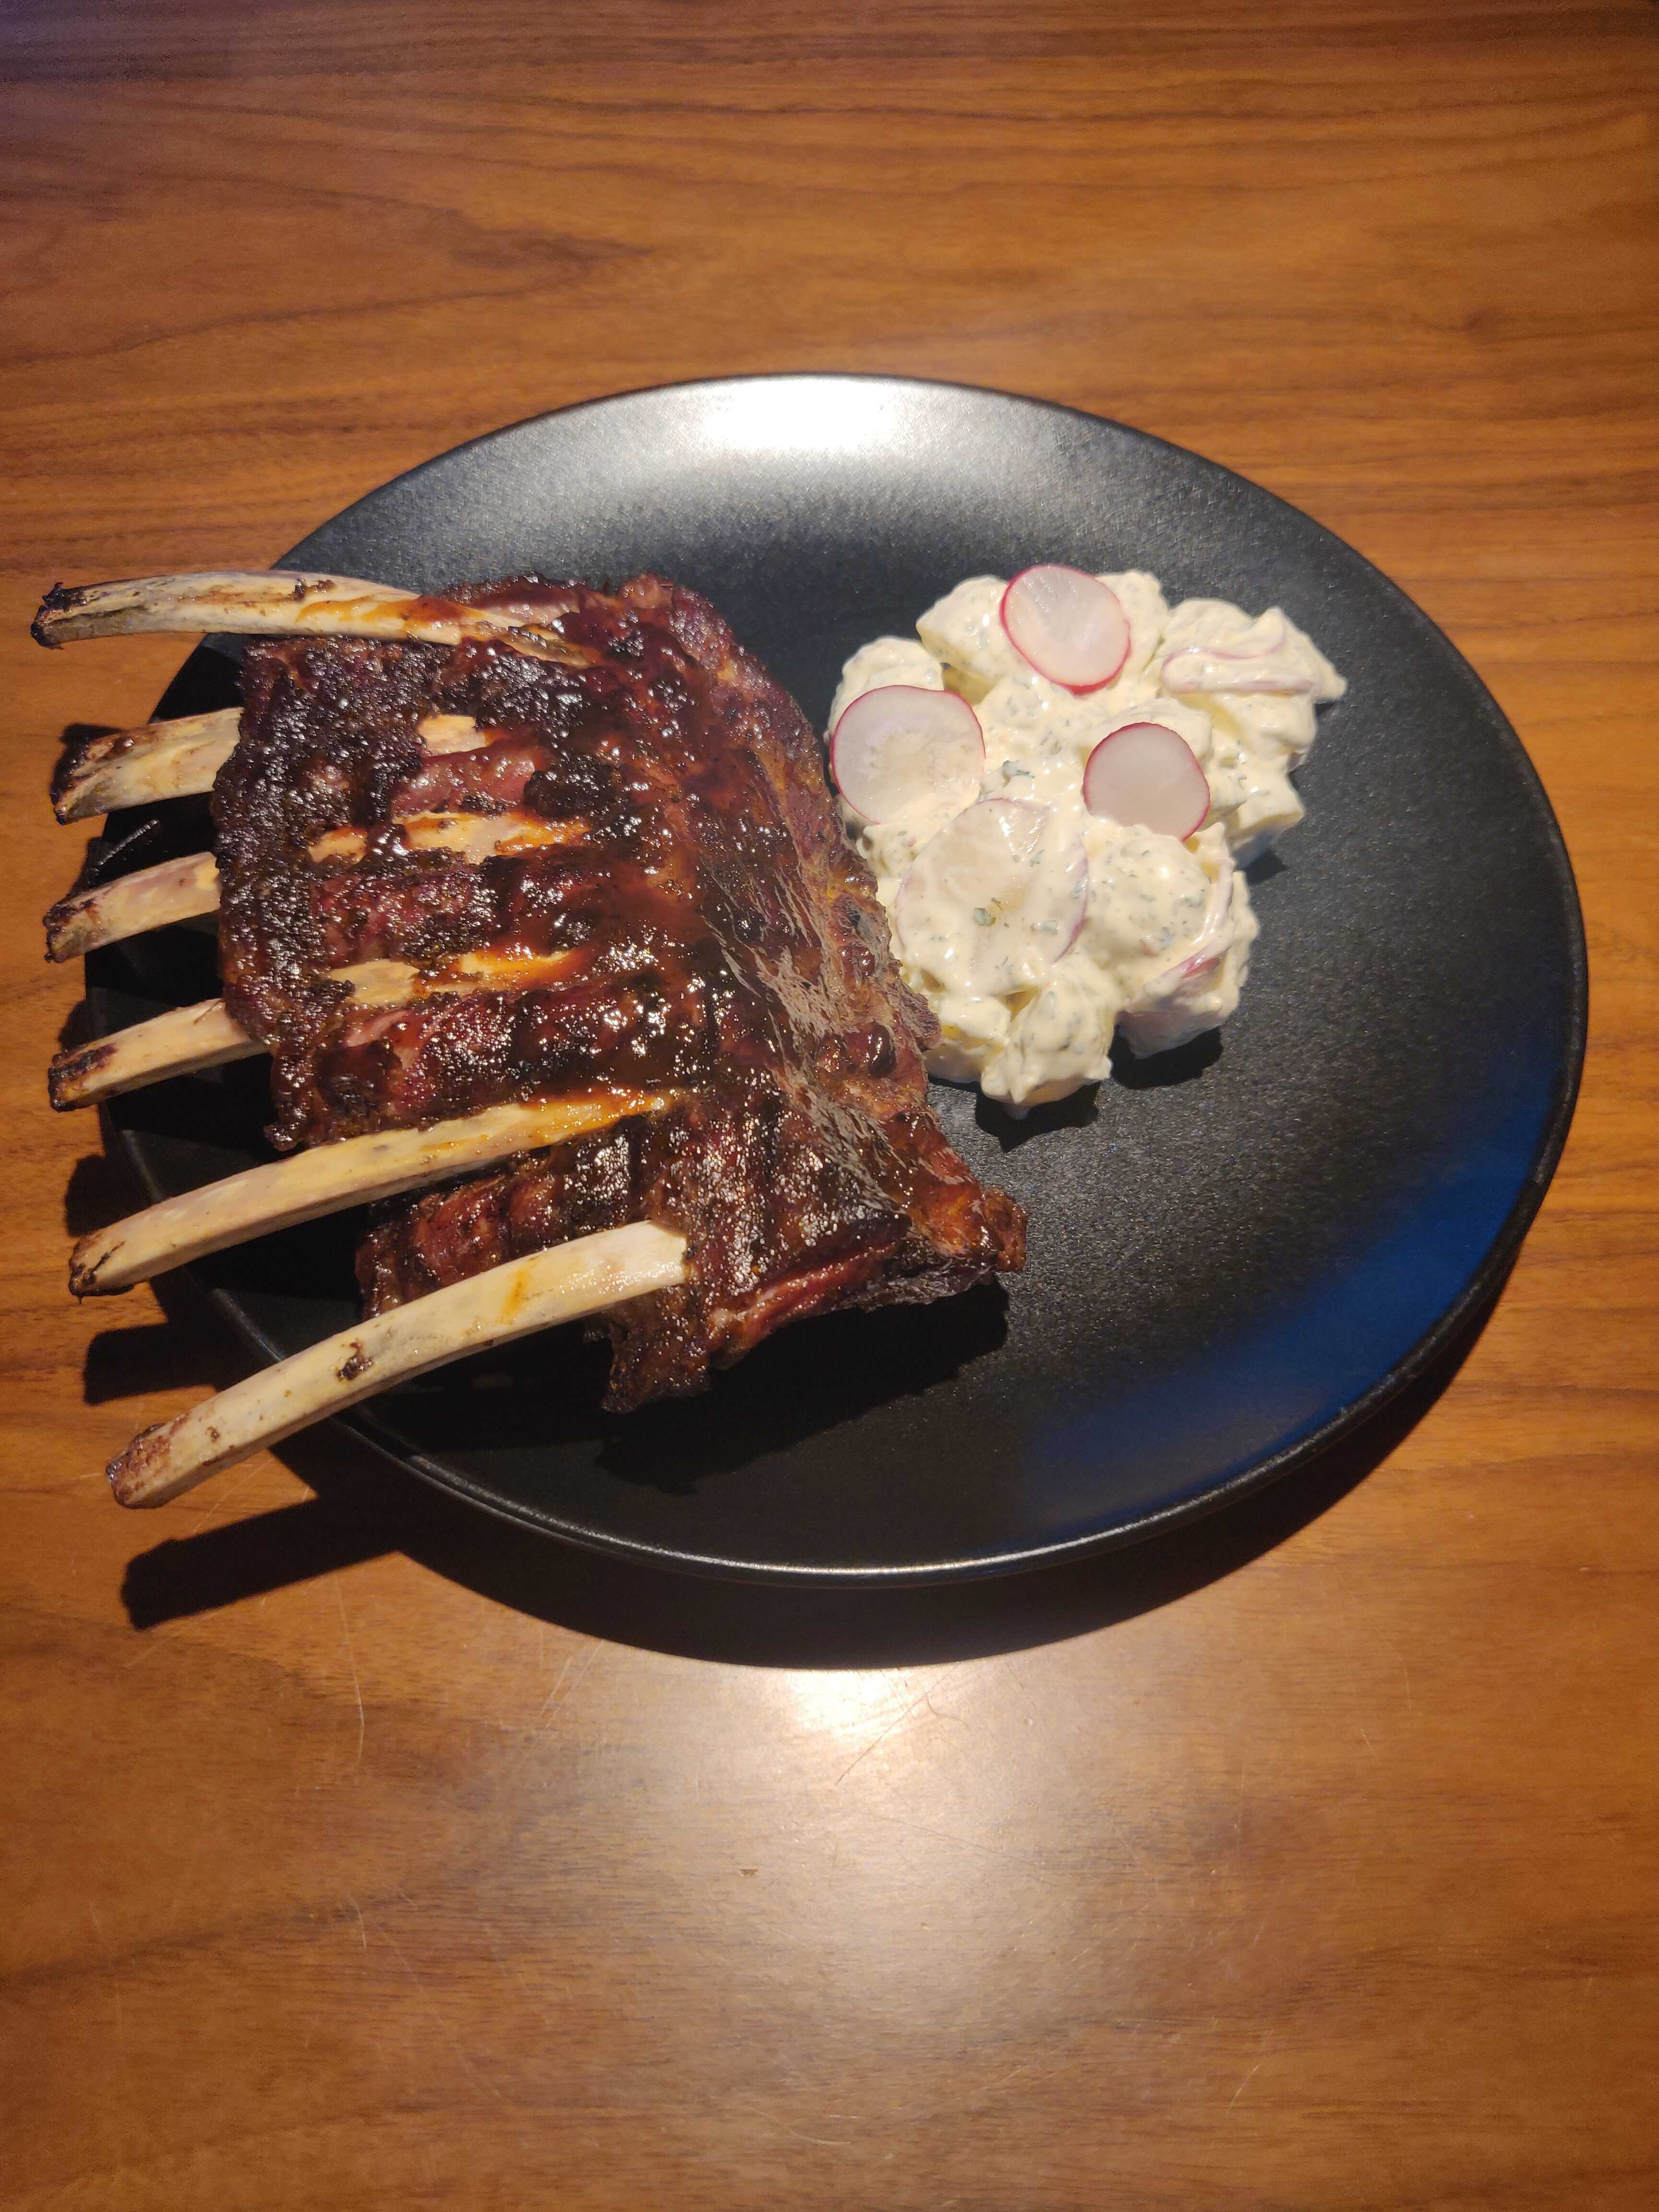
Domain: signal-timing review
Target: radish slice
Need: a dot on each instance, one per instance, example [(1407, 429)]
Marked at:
[(1198, 671), (1070, 626), (899, 744), (1145, 773), (1207, 950), (1210, 948), (995, 899), (1166, 1012), (1245, 665)]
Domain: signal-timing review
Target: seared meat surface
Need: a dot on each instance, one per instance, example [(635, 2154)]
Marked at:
[(626, 872)]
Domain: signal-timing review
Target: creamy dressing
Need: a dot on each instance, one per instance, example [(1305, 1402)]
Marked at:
[(1035, 930)]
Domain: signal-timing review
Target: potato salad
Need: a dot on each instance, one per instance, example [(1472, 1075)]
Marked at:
[(1058, 782)]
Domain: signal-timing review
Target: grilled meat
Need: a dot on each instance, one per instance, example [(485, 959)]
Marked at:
[(624, 868)]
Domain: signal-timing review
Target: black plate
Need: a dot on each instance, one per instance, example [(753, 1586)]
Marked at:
[(1238, 1252)]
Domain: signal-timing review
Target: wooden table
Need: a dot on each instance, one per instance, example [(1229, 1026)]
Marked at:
[(356, 1853)]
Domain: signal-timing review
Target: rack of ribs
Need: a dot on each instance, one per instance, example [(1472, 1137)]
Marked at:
[(537, 897)]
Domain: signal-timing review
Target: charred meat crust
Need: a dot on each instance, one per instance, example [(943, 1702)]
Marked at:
[(703, 929)]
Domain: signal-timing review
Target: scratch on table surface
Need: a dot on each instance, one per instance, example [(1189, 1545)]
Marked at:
[(543, 1710), (1041, 1715), (1030, 1863), (588, 1653), (1003, 2080), (152, 1641), (938, 1716), (1245, 2083), (940, 1682), (881, 1736), (1349, 1613), (361, 1929), (437, 2012), (351, 1657), (1007, 1662), (511, 1968), (216, 1507)]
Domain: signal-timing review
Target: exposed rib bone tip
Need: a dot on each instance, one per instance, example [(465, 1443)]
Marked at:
[(231, 598), (58, 602), (185, 1041), (587, 1275), (129, 1473), (149, 899), (72, 1078), (133, 767), (285, 602), (190, 1040)]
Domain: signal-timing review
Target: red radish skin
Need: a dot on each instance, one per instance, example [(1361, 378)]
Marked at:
[(1068, 625), (1166, 1012), (1259, 648), (1193, 668), (1145, 773), (1209, 948), (1184, 673), (900, 744)]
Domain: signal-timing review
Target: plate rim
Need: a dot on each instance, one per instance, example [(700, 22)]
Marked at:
[(361, 1422)]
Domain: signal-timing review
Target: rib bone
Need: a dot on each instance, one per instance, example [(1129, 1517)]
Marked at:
[(379, 983), (179, 760), (350, 1172), (132, 767), (451, 733), (473, 836), (148, 899), (181, 1042), (288, 603), (584, 1276), (188, 1040), (176, 890)]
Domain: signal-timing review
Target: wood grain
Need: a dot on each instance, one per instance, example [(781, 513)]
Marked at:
[(353, 1856)]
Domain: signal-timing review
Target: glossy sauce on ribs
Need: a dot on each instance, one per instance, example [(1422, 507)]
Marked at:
[(662, 899)]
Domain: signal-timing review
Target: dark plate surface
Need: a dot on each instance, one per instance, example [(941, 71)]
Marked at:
[(1238, 1252)]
